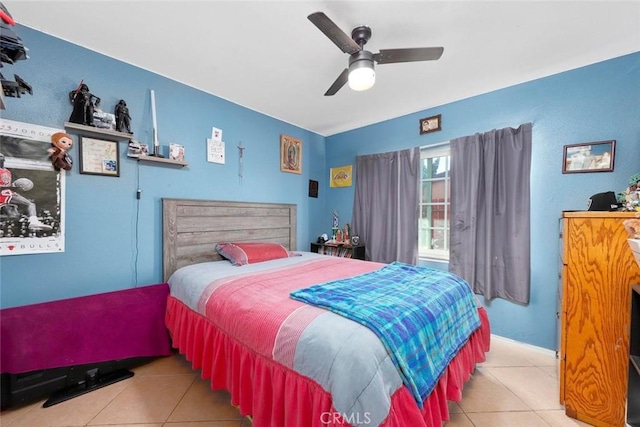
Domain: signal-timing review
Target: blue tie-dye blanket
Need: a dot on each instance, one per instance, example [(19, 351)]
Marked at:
[(423, 316)]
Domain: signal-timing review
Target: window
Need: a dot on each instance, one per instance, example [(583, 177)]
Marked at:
[(435, 192)]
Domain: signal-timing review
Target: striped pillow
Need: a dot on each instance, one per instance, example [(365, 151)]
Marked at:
[(250, 253)]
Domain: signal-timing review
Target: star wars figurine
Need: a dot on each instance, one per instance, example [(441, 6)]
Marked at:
[(83, 105), (123, 120)]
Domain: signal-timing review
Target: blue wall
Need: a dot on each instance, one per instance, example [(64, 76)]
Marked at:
[(594, 103), (101, 212)]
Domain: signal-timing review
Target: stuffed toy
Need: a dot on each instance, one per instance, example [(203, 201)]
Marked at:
[(61, 144)]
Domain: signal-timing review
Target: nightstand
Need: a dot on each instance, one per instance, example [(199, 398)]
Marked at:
[(339, 250)]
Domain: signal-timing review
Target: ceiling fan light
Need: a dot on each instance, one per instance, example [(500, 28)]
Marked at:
[(362, 78)]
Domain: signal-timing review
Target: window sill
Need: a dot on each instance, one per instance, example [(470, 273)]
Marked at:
[(433, 259)]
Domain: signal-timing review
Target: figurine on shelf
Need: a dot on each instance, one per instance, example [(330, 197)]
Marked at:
[(83, 105), (61, 143), (123, 120), (346, 231)]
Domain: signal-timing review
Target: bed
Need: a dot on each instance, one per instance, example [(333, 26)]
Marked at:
[(287, 363)]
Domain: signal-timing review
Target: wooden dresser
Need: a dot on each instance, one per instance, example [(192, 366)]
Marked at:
[(598, 271)]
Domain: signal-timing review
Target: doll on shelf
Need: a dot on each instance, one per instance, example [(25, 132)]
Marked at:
[(61, 143)]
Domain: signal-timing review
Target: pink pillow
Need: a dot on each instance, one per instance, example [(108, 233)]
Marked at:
[(250, 253)]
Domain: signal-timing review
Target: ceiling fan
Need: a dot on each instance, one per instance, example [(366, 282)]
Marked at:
[(361, 74)]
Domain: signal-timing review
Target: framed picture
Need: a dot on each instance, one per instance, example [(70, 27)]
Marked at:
[(176, 151), (99, 157), (431, 124), (313, 188), (341, 176), (136, 149), (290, 154), (589, 157)]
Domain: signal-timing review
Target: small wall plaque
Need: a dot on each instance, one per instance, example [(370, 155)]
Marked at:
[(431, 124)]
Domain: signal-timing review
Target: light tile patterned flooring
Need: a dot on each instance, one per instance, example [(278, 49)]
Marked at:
[(516, 386)]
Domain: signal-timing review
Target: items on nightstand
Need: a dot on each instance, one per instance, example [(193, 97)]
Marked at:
[(335, 224), (334, 248)]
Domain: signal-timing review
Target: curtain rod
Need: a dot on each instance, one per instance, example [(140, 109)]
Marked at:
[(438, 144)]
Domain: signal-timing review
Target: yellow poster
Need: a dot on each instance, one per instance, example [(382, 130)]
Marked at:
[(341, 176)]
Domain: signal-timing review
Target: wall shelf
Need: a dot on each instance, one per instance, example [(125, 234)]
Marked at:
[(95, 132), (162, 160)]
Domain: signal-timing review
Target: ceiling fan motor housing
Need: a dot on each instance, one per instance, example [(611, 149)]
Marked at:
[(361, 35), (363, 58)]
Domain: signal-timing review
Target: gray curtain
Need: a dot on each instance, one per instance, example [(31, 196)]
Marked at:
[(385, 208), (490, 237)]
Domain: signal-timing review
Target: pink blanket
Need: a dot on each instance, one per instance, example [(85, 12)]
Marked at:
[(262, 299)]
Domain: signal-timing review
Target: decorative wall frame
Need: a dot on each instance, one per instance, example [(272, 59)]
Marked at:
[(341, 176), (290, 154), (589, 157), (313, 188), (99, 157), (431, 124)]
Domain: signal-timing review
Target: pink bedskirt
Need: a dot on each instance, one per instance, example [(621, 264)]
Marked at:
[(277, 396)]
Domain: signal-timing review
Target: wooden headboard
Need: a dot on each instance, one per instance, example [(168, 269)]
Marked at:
[(191, 228)]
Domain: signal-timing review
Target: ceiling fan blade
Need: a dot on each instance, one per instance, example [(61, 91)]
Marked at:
[(340, 81), (388, 56), (335, 34)]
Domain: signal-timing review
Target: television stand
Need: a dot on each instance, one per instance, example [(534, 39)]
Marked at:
[(93, 381)]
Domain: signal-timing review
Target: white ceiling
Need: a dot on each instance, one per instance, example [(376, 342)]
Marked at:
[(267, 56)]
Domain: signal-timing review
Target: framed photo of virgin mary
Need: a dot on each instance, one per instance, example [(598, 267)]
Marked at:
[(290, 154)]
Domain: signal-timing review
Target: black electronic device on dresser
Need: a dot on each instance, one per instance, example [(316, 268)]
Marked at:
[(339, 250), (633, 386)]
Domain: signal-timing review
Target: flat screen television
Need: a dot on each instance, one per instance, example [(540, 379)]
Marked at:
[(61, 384)]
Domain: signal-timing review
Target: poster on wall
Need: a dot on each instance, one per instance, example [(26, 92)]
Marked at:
[(341, 176), (31, 191)]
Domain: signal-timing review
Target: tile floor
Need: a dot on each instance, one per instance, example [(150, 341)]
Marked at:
[(516, 386)]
